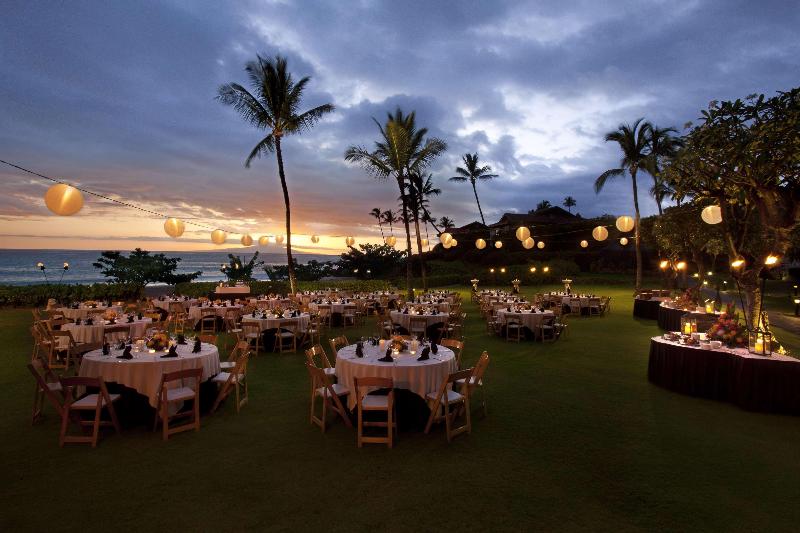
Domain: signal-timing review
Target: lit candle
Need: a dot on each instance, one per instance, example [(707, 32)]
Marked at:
[(759, 344), (687, 328)]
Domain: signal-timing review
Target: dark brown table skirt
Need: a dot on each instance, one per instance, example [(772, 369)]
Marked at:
[(670, 319), (646, 308), (757, 384)]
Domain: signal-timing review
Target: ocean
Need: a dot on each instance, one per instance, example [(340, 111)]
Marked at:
[(18, 267)]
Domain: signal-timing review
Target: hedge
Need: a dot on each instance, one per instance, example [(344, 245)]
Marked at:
[(282, 287), (37, 295)]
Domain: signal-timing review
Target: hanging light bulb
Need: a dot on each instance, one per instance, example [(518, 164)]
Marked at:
[(540, 245), (584, 243), (480, 244), (623, 241), (247, 240), (174, 227), (63, 199), (218, 236), (523, 233), (263, 240), (498, 244)]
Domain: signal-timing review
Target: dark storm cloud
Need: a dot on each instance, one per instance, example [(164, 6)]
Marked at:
[(120, 95)]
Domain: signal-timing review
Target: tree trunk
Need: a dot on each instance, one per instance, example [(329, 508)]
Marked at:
[(660, 210), (749, 283), (292, 280), (637, 233), (400, 183), (419, 249), (475, 190), (381, 226)]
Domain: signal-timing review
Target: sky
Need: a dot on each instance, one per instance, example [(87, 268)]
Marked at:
[(119, 97)]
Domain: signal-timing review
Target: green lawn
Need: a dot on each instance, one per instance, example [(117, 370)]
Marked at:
[(576, 438)]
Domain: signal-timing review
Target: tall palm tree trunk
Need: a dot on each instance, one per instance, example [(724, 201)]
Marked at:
[(419, 250), (380, 225), (637, 233), (475, 190), (292, 280), (409, 292)]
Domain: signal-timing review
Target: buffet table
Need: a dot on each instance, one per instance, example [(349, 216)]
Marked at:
[(669, 318), (648, 309), (753, 382)]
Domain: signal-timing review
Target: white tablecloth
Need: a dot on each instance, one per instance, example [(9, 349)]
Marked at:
[(273, 322), (194, 312), (443, 306), (239, 289), (83, 312), (270, 303), (405, 319), (164, 304), (94, 333), (335, 307), (531, 321), (143, 372), (420, 377)]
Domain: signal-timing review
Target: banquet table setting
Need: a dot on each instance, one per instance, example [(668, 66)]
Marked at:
[(95, 332), (669, 318), (431, 317), (529, 318), (196, 311), (420, 377), (83, 310), (269, 320), (166, 303)]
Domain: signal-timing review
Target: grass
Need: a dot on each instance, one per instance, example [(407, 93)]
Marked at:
[(576, 438)]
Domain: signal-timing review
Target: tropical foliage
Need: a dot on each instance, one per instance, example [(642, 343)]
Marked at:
[(239, 270), (371, 261), (140, 267), (471, 172), (310, 271)]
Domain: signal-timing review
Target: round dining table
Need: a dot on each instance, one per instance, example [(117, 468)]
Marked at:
[(83, 311), (530, 319), (95, 333), (272, 322), (143, 372), (195, 312), (420, 377)]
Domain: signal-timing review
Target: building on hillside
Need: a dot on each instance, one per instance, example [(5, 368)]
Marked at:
[(509, 222)]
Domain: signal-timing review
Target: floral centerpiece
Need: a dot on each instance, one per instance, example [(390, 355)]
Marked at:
[(729, 331), (90, 304), (110, 314), (687, 300), (398, 344), (159, 341)]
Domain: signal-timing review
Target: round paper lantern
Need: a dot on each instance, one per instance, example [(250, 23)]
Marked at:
[(218, 236), (498, 244), (315, 239), (350, 241), (424, 242), (711, 214), (448, 245), (63, 199), (278, 239), (528, 243), (584, 243), (174, 227), (263, 240), (445, 238), (623, 241), (523, 233), (391, 240), (540, 244), (453, 243), (247, 240), (600, 233), (625, 223), (480, 244)]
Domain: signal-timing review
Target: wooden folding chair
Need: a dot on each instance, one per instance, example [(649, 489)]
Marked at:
[(236, 381), (47, 386), (445, 399), (374, 402), (514, 329), (208, 339), (547, 329), (238, 349), (286, 336), (418, 325), (251, 333), (208, 320), (330, 393), (182, 393), (337, 343), (316, 356), (475, 381), (112, 334), (96, 401), (456, 346)]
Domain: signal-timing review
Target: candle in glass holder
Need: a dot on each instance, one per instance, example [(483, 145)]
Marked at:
[(759, 346), (687, 328), (382, 344)]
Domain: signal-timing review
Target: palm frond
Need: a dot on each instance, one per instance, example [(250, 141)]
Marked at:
[(265, 145), (601, 180)]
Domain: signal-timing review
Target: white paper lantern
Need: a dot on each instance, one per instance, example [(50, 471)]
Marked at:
[(584, 243), (453, 243), (391, 240), (350, 241), (448, 245), (424, 242), (523, 233), (247, 240), (218, 236), (480, 244), (623, 241), (625, 223), (445, 238), (278, 239), (600, 233), (540, 245), (174, 227), (263, 240), (63, 199), (711, 214), (315, 239), (528, 243), (498, 244)]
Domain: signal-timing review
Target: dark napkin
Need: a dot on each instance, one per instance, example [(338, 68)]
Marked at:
[(388, 357), (360, 349), (196, 348), (425, 355), (112, 322), (139, 315), (254, 314), (130, 319), (126, 354), (106, 348), (78, 321), (181, 338), (121, 345), (171, 352), (405, 311), (434, 348), (89, 322)]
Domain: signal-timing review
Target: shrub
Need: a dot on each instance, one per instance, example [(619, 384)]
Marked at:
[(37, 295)]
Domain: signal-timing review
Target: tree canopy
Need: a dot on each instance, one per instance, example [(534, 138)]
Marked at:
[(140, 267)]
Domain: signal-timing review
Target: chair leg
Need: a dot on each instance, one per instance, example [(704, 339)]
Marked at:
[(96, 426), (64, 424), (164, 421), (360, 428)]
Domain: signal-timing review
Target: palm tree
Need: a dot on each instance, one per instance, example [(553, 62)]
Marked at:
[(446, 223), (544, 204), (401, 152), (663, 146), (634, 142), (569, 203), (274, 108), (390, 217), (378, 215), (419, 189), (472, 172)]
